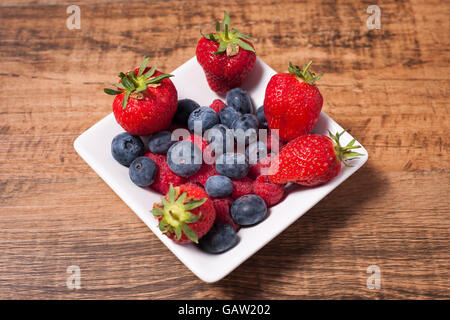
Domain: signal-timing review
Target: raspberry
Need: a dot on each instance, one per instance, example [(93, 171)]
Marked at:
[(198, 141), (222, 206), (270, 192), (164, 176), (255, 170), (217, 105), (206, 171), (242, 187)]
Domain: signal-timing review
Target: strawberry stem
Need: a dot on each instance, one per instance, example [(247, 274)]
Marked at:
[(228, 38), (132, 82), (304, 74), (346, 153)]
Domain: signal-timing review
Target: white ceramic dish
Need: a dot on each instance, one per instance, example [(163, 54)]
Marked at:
[(94, 147)]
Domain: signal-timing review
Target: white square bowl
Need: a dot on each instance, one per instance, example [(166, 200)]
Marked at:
[(94, 147)]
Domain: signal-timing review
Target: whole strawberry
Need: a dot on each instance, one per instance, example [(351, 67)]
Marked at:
[(292, 102), (312, 159), (185, 214), (226, 56), (146, 100)]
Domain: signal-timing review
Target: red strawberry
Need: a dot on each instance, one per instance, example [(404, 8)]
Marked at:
[(223, 206), (271, 193), (164, 176), (263, 164), (206, 171), (146, 100), (226, 56), (185, 214), (241, 187), (217, 105), (312, 159), (292, 102)]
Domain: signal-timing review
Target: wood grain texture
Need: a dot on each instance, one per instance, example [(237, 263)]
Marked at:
[(389, 86)]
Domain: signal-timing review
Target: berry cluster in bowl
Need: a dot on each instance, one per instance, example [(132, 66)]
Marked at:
[(221, 167)]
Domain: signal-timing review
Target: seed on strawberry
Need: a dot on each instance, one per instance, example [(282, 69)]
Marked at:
[(312, 159), (146, 100), (292, 102), (226, 56), (185, 214)]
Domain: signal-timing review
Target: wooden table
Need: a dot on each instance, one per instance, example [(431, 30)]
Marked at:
[(388, 86)]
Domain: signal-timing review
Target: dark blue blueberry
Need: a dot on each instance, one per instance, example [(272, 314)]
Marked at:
[(248, 210), (184, 158), (184, 109), (220, 238), (261, 118), (160, 142), (218, 186), (126, 147), (143, 171), (228, 115), (238, 99), (255, 152), (232, 165), (246, 127), (220, 139), (207, 117)]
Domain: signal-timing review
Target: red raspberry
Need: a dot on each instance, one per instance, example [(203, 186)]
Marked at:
[(241, 187), (206, 171), (222, 206), (255, 170), (217, 105), (270, 192), (164, 176), (198, 141)]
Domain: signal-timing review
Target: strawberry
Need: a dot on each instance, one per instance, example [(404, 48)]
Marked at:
[(185, 214), (217, 105), (146, 100), (226, 56), (292, 102), (312, 159)]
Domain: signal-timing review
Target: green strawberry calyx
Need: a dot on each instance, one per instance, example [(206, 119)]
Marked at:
[(304, 74), (229, 40), (346, 153), (174, 213), (133, 84)]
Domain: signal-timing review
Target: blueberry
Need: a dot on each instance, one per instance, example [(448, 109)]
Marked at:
[(126, 147), (207, 116), (246, 127), (160, 142), (232, 165), (228, 115), (184, 109), (220, 139), (143, 171), (218, 186), (255, 152), (238, 99), (248, 210), (220, 238), (261, 118), (184, 158)]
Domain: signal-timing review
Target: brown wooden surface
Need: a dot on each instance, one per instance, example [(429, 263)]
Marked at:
[(389, 86)]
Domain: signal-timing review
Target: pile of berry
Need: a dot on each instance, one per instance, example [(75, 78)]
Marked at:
[(233, 185), (212, 164)]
